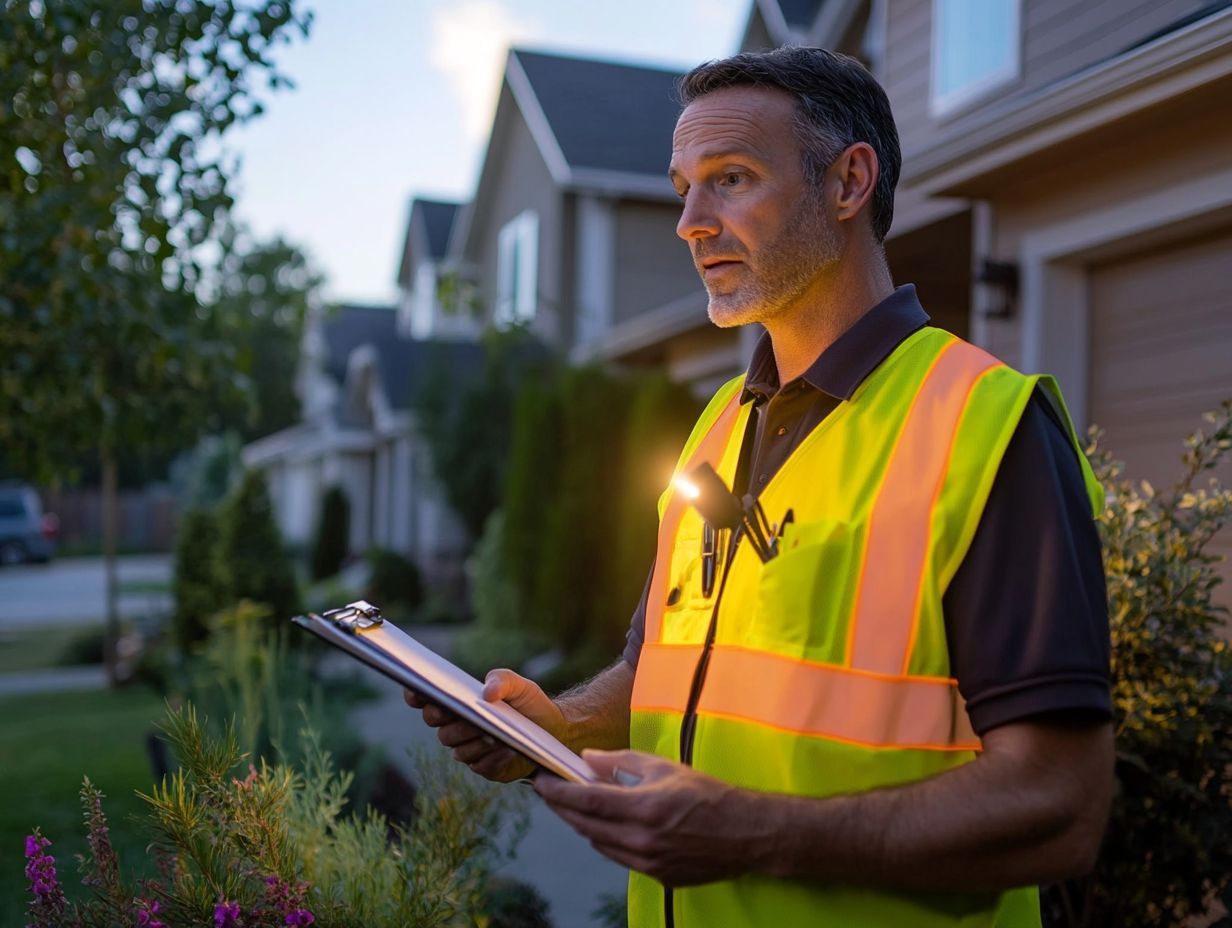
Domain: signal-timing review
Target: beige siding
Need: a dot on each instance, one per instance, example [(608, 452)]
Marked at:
[(520, 181), (653, 266), (1058, 38)]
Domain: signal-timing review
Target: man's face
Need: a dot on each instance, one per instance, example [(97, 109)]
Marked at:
[(761, 236)]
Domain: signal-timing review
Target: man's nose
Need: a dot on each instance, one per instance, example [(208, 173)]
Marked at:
[(697, 219)]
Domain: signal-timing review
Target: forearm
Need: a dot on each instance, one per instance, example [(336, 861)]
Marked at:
[(596, 712), (1007, 819)]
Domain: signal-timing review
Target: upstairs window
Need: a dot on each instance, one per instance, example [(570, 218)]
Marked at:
[(517, 269), (975, 49)]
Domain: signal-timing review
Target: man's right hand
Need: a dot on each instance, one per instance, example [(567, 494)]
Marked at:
[(476, 748)]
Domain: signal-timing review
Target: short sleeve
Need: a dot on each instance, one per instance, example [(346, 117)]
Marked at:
[(637, 626), (1026, 614)]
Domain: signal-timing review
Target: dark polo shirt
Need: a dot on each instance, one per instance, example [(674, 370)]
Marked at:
[(1026, 614)]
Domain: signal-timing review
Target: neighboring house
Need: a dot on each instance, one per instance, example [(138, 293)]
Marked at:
[(356, 381), (572, 227), (425, 271)]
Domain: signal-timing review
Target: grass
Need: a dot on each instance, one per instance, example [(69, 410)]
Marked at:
[(48, 742), (134, 587), (36, 649)]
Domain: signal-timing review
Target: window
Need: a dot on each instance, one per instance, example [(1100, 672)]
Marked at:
[(423, 301), (517, 266), (975, 49)]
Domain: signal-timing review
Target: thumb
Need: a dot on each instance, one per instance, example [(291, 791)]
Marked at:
[(513, 688), (619, 765)]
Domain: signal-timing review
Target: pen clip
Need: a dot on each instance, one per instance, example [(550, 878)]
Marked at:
[(354, 616)]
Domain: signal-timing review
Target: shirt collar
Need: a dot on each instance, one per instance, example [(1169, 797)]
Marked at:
[(843, 366)]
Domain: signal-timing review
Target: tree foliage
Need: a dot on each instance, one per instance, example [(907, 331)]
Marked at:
[(1167, 853), (333, 540), (467, 423), (112, 184), (252, 562), (196, 583)]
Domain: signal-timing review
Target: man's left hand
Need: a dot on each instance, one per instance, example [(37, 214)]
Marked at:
[(677, 825)]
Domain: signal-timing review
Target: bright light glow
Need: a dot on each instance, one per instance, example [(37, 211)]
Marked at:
[(687, 487)]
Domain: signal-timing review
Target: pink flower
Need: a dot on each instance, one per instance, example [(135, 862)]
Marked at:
[(300, 917), (47, 899), (147, 909)]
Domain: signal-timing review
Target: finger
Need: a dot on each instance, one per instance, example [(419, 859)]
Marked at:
[(593, 799), (436, 716), (413, 699), (623, 766), (503, 766), (470, 752), (457, 732)]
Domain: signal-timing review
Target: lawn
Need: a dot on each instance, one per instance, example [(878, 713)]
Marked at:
[(47, 743), (38, 648)]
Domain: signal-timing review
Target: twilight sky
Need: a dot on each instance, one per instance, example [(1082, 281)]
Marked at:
[(395, 98)]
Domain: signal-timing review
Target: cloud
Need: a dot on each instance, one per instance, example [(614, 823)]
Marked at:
[(469, 43)]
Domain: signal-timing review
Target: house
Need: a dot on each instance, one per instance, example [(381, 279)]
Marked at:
[(424, 273), (356, 382), (572, 227), (1066, 193)]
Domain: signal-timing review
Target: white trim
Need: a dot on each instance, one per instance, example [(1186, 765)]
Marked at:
[(537, 120), (1054, 258), (623, 184), (649, 328), (940, 105)]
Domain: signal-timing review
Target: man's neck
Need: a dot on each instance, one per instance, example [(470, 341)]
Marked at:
[(801, 335)]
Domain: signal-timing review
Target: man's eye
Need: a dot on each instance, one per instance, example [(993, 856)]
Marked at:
[(732, 179)]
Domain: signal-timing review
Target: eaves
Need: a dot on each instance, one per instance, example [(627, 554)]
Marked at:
[(1173, 65)]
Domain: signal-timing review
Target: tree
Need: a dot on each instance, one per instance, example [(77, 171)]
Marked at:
[(196, 583), (333, 540), (113, 185), (251, 560)]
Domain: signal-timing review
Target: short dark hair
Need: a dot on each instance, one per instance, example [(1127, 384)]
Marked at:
[(838, 103)]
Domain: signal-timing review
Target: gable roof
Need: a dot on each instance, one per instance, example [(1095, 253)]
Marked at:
[(801, 22), (347, 327), (604, 115), (428, 226)]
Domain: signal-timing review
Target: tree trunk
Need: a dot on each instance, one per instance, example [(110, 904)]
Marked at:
[(111, 630)]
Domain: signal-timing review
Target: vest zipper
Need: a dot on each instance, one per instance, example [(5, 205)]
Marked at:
[(688, 725)]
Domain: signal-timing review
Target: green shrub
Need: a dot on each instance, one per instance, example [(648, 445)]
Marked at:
[(496, 638), (84, 647), (1166, 855), (252, 562), (393, 580), (196, 585), (333, 534), (270, 844)]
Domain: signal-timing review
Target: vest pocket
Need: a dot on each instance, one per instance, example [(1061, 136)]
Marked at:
[(804, 595)]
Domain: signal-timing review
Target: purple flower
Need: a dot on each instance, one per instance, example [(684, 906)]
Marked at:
[(300, 917), (47, 899), (147, 909), (227, 914)]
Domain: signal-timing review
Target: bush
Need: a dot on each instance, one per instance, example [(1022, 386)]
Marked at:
[(333, 534), (242, 844), (196, 585), (1166, 855), (393, 580), (252, 562)]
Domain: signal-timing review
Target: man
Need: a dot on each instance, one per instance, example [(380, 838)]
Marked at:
[(902, 718)]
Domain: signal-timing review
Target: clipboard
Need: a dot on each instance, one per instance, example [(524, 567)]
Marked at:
[(359, 629)]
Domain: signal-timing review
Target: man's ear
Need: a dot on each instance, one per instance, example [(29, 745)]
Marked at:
[(856, 171)]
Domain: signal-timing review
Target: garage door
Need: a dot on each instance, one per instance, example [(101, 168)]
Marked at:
[(1161, 356)]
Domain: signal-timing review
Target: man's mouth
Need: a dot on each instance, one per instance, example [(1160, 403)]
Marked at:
[(715, 265)]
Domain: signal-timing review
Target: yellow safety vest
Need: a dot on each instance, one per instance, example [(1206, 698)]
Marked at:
[(826, 670)]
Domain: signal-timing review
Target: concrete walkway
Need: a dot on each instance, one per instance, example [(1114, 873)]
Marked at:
[(54, 680)]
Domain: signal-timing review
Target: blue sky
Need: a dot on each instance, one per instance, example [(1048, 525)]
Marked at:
[(395, 97)]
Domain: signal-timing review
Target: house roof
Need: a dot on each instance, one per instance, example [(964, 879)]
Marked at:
[(347, 327), (406, 366), (604, 115), (800, 14), (438, 216)]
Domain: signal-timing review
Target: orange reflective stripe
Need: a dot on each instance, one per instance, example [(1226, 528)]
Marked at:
[(709, 450), (664, 677), (895, 558), (807, 698)]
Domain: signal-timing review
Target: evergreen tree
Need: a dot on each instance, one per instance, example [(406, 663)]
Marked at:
[(252, 562), (196, 584), (333, 534)]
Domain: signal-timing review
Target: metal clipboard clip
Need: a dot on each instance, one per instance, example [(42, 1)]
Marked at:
[(355, 616)]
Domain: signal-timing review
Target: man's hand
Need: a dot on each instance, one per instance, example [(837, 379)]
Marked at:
[(674, 825), (476, 748)]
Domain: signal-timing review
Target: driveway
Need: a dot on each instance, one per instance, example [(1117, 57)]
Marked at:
[(71, 591)]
